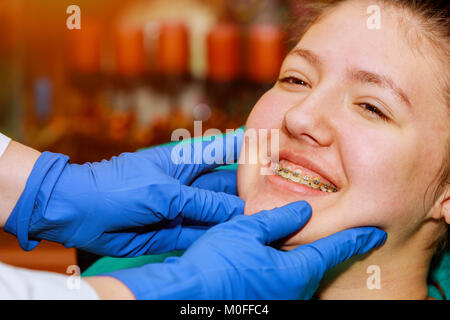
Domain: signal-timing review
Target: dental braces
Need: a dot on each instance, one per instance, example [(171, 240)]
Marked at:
[(297, 176)]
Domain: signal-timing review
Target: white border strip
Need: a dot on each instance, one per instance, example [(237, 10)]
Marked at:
[(4, 142)]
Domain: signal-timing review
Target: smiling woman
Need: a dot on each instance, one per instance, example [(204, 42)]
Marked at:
[(366, 111)]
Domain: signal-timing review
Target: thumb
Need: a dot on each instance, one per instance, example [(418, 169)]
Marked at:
[(272, 225), (326, 253)]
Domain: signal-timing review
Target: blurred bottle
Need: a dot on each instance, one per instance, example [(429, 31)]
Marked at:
[(222, 86), (171, 80), (86, 112), (130, 55), (43, 99), (47, 127), (11, 15), (128, 78), (84, 57), (85, 77), (265, 54)]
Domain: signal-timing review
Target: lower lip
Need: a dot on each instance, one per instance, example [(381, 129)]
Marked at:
[(290, 186)]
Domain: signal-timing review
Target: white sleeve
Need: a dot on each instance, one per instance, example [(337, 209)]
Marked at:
[(23, 284), (4, 142)]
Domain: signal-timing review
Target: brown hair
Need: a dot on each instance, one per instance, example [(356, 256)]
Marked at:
[(432, 19)]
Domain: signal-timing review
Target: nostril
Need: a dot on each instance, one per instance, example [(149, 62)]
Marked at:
[(309, 139)]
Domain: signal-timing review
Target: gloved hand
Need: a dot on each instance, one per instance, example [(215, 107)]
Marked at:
[(219, 180), (233, 260), (131, 205)]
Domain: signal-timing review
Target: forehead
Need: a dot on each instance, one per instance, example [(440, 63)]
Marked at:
[(344, 40), (343, 36)]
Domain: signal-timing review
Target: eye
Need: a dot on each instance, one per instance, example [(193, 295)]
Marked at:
[(373, 111), (294, 81)]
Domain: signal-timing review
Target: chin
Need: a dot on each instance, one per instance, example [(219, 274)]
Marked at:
[(256, 204)]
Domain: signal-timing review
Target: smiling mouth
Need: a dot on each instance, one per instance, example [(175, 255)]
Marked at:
[(300, 177)]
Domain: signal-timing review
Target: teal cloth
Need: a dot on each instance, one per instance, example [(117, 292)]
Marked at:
[(440, 274), (110, 264)]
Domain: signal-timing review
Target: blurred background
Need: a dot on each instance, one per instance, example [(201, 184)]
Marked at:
[(134, 72)]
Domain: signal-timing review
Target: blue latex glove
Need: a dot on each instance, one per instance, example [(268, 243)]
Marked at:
[(134, 204), (234, 261), (219, 181)]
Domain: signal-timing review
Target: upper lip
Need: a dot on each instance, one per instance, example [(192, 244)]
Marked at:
[(309, 164)]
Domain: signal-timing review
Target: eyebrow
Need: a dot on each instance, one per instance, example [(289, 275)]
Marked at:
[(357, 75), (308, 55), (381, 81)]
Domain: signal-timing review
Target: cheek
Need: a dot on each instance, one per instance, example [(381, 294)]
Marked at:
[(246, 176), (378, 170), (386, 179), (269, 111), (397, 168)]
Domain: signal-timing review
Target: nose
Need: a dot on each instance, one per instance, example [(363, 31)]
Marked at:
[(311, 120)]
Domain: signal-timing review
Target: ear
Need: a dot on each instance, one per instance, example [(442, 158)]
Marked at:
[(441, 208), (446, 209)]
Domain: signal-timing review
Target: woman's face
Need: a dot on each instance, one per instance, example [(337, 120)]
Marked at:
[(364, 106)]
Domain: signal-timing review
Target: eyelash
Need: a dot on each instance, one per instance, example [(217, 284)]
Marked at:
[(367, 107), (294, 80), (373, 111)]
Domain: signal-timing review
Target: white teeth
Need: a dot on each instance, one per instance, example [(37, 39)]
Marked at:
[(296, 176)]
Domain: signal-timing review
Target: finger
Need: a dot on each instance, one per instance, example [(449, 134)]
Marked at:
[(218, 181), (207, 206), (281, 222), (326, 253), (188, 236), (190, 158)]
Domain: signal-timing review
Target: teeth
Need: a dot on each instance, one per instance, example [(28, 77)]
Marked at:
[(296, 176)]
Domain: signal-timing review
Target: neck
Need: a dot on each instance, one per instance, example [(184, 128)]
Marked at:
[(385, 273)]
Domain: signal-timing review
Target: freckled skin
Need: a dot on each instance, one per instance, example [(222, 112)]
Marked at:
[(385, 167)]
